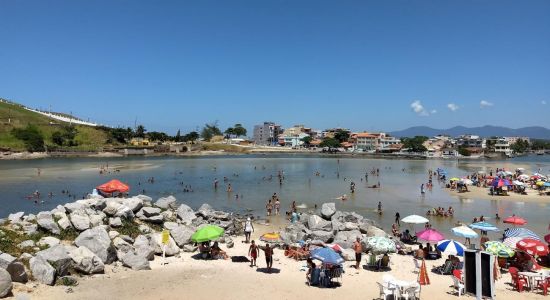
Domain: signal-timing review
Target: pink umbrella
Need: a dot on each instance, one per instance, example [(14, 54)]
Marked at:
[(430, 235)]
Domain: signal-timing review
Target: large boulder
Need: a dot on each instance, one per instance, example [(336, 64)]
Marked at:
[(45, 221), (171, 247), (134, 203), (149, 212), (29, 228), (18, 272), (348, 254), (317, 223), (64, 223), (328, 209), (337, 225), (144, 246), (353, 217), (186, 214), (350, 226), (122, 247), (97, 219), (86, 261), (98, 241), (167, 202), (80, 220), (111, 206), (58, 257), (115, 222), (15, 217), (170, 225), (375, 231), (124, 211), (42, 271), (135, 261), (5, 283), (325, 236), (182, 235), (346, 238), (5, 260), (74, 206), (205, 210), (220, 215)]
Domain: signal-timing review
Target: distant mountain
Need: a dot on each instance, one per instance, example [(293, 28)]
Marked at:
[(534, 132)]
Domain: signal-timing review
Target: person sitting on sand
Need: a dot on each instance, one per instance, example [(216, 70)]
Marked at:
[(253, 252), (311, 266), (217, 252), (419, 253), (395, 230)]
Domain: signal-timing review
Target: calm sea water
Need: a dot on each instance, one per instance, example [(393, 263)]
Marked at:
[(249, 176)]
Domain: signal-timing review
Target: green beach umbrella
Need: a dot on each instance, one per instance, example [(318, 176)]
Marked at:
[(379, 244), (499, 249), (207, 233)]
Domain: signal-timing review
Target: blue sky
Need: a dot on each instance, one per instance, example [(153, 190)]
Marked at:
[(365, 65)]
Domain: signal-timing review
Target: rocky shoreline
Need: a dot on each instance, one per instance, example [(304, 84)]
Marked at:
[(80, 238)]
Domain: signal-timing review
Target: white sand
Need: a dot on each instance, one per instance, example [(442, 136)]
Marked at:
[(188, 278)]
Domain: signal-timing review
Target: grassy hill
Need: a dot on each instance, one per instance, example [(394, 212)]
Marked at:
[(15, 116)]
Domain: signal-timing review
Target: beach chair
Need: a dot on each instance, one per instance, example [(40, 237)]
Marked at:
[(386, 291), (409, 293), (458, 285), (518, 281)]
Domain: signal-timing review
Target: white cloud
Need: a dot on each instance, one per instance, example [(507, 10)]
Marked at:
[(452, 106), (419, 109), (433, 111), (485, 103), (543, 102)]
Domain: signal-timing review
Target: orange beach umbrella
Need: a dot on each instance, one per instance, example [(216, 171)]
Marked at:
[(114, 186)]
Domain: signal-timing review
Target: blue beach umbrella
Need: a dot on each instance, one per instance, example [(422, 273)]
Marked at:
[(327, 256), (451, 247), (522, 233), (484, 226)]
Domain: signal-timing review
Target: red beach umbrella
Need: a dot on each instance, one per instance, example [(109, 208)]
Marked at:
[(114, 186), (547, 238), (515, 220), (532, 247)]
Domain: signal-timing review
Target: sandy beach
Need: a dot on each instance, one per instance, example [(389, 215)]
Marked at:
[(185, 277), (483, 193)]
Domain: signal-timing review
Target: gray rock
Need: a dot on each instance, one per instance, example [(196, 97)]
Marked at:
[(182, 235), (26, 244), (170, 225), (168, 215), (375, 231), (98, 241), (49, 241), (189, 248), (17, 272), (328, 210), (134, 203), (149, 212), (144, 228), (113, 234), (185, 214), (29, 228), (171, 247), (159, 219), (97, 219), (25, 256), (30, 218), (205, 210), (74, 206), (68, 281), (127, 238), (58, 209), (16, 217), (348, 254), (135, 261), (346, 238), (42, 271), (115, 222), (353, 217), (144, 198), (86, 261), (122, 245), (5, 260), (125, 212), (45, 221), (167, 202), (80, 220), (58, 257), (317, 223), (220, 215), (144, 246), (5, 283), (337, 225), (350, 226), (64, 223), (325, 236)]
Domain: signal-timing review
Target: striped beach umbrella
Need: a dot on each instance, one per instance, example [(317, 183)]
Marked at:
[(465, 232), (379, 244), (521, 232), (451, 247), (512, 241), (484, 226), (499, 249)]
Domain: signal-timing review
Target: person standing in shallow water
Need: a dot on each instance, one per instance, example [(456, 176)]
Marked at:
[(379, 207), (397, 218)]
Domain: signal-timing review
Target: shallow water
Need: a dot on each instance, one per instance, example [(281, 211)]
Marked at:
[(400, 190)]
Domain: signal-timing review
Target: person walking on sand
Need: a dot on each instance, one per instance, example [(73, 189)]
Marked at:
[(248, 229), (358, 248), (268, 252), (253, 252)]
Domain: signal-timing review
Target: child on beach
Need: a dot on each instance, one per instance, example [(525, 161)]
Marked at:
[(253, 253)]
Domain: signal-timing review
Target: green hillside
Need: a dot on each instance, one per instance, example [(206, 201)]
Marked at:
[(14, 116)]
